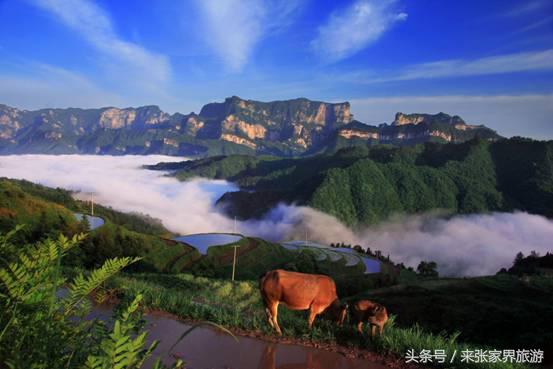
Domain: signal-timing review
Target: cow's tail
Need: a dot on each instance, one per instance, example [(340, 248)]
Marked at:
[(261, 280), (261, 290)]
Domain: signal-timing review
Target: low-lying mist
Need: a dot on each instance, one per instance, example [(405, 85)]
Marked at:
[(467, 245)]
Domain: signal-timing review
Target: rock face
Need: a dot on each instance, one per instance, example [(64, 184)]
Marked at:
[(403, 119), (283, 128), (298, 122), (423, 127), (9, 122)]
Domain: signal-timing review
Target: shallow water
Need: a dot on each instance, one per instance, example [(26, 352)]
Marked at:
[(205, 240), (94, 222), (206, 348)]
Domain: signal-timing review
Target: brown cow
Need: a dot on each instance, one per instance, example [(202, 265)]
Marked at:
[(373, 313), (299, 291)]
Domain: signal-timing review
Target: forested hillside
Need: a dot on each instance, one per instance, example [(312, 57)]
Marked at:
[(363, 185), (46, 212)]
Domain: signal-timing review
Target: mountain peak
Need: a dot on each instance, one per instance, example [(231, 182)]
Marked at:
[(417, 118), (235, 125)]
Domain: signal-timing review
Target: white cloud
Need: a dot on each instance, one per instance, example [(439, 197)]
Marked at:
[(189, 208), (349, 30), (510, 115), (125, 61), (463, 245), (234, 27), (498, 64)]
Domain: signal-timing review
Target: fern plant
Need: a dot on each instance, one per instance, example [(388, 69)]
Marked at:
[(119, 350), (43, 317)]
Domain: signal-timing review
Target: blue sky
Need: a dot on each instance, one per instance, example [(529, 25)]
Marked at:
[(490, 62)]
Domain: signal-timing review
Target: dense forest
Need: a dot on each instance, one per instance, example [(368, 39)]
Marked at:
[(364, 185)]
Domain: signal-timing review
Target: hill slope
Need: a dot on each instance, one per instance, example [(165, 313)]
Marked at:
[(365, 185)]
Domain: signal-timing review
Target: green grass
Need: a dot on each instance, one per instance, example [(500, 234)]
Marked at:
[(238, 305), (500, 311), (398, 340)]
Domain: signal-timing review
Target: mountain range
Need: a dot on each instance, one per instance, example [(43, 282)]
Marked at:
[(235, 126)]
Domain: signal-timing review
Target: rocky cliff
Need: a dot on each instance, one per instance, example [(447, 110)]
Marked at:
[(416, 128), (283, 128), (299, 123)]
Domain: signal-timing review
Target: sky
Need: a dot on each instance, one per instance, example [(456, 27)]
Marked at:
[(491, 62)]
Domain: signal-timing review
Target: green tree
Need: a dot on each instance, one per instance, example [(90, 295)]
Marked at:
[(428, 269), (518, 258)]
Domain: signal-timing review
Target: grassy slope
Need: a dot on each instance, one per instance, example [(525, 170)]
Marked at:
[(500, 311), (39, 215), (47, 212), (137, 222)]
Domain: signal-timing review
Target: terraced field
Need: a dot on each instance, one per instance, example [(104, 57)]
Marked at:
[(324, 252)]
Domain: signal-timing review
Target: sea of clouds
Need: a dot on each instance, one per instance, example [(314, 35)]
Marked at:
[(464, 245)]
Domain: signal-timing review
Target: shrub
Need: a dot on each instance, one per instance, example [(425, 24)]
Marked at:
[(44, 325)]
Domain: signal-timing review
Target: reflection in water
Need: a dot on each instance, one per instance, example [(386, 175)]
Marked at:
[(209, 349), (310, 361), (202, 241)]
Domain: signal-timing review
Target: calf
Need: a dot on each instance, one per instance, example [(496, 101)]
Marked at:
[(365, 311)]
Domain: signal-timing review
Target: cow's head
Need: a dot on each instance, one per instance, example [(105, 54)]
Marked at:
[(338, 311), (343, 312)]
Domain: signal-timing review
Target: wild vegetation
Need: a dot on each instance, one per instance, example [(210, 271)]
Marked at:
[(533, 264), (48, 212), (364, 185), (43, 320)]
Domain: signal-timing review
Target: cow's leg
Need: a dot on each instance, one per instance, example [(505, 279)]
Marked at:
[(267, 305), (269, 317), (373, 330), (273, 309), (381, 326), (360, 327), (312, 316), (314, 310)]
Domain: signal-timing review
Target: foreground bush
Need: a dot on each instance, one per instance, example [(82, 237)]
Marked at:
[(43, 317)]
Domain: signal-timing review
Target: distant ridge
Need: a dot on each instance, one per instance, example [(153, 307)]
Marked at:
[(283, 128)]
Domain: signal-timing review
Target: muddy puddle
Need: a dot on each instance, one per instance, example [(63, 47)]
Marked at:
[(206, 348)]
